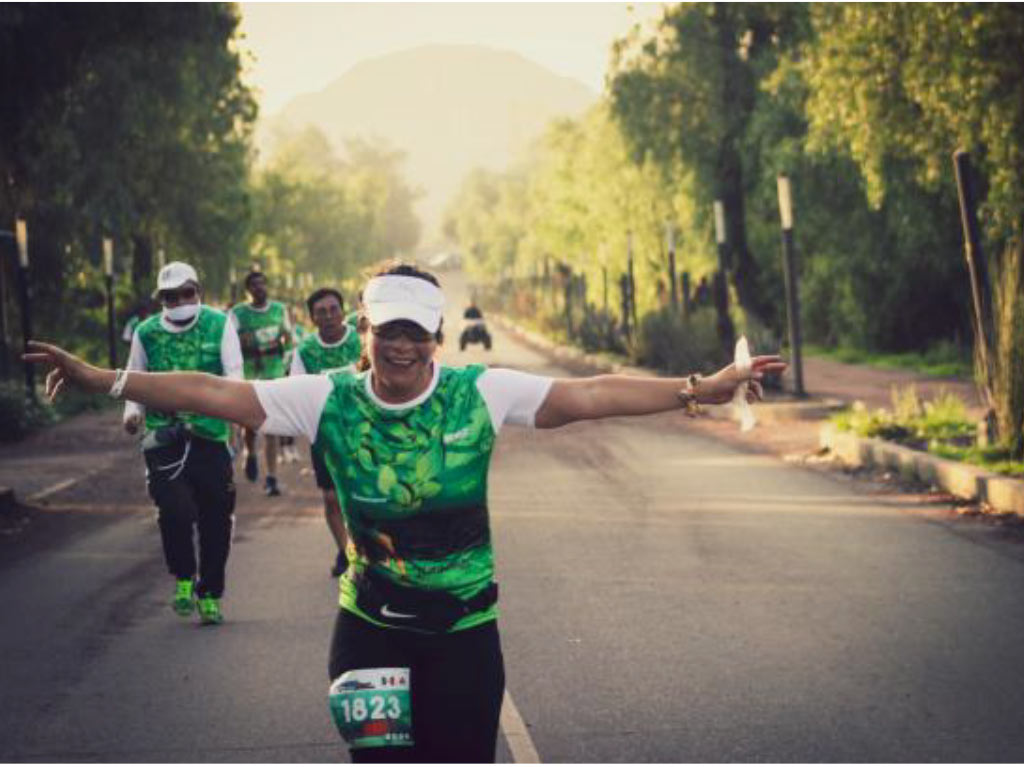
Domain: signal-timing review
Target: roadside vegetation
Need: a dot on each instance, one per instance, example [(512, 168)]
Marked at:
[(862, 107), (941, 426), (135, 123)]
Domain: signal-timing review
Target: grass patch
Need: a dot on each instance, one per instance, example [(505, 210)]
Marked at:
[(940, 427), (943, 360)]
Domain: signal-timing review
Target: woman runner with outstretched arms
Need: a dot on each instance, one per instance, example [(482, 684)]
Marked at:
[(415, 664)]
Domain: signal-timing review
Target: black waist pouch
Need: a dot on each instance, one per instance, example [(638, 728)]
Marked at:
[(417, 609)]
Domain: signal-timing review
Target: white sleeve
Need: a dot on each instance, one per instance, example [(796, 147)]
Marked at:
[(128, 332), (137, 360), (511, 396), (298, 367), (293, 404), (234, 318), (231, 352)]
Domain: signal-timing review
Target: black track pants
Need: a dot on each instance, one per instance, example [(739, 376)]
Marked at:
[(457, 685), (199, 496)]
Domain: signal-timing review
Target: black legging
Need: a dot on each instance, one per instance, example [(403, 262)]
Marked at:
[(457, 685), (200, 496)]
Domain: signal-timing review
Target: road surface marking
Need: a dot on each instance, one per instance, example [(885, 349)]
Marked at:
[(65, 484), (516, 734)]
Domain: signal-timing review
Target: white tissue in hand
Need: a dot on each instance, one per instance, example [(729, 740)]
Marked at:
[(741, 408)]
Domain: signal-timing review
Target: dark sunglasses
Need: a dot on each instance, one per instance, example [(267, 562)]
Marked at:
[(391, 331), (181, 294)]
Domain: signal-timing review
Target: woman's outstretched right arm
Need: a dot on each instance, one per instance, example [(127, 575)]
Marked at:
[(193, 392)]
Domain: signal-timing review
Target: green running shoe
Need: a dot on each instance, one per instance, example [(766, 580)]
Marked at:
[(184, 601), (209, 611)]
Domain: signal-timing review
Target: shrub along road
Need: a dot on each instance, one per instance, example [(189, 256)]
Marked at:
[(666, 597)]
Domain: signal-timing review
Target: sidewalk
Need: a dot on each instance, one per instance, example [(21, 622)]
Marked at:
[(873, 386)]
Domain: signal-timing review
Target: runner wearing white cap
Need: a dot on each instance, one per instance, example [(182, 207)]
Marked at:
[(188, 467), (416, 664)]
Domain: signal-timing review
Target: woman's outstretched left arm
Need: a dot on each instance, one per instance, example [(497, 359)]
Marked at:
[(580, 399)]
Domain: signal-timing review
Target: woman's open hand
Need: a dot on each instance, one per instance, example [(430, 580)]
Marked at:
[(67, 369), (719, 388)]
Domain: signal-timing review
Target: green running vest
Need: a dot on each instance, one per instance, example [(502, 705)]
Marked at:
[(195, 349), (318, 358), (413, 486), (264, 338)]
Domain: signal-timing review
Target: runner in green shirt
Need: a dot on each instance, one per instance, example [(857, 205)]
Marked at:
[(266, 335), (334, 345), (416, 663), (188, 466)]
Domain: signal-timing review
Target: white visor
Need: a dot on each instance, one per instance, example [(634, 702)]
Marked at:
[(398, 297)]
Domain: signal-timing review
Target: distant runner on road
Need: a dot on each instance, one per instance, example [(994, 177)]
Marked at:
[(188, 467), (265, 333), (334, 345), (415, 662)]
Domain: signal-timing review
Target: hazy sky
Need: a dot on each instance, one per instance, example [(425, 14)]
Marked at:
[(301, 47)]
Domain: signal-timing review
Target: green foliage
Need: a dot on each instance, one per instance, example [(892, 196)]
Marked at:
[(315, 212), (942, 359), (125, 122), (941, 421), (671, 344)]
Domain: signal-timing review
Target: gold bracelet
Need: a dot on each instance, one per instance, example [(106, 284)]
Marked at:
[(688, 396)]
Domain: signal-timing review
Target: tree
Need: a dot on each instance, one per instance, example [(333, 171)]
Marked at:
[(687, 94), (905, 85)]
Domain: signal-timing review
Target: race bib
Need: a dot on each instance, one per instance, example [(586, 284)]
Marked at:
[(372, 707)]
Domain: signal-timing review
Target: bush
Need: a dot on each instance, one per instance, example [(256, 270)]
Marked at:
[(19, 416), (599, 332), (675, 345)]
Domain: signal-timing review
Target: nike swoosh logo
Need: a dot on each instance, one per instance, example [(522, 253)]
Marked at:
[(390, 614)]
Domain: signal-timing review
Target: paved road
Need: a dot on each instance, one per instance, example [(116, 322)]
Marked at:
[(665, 598)]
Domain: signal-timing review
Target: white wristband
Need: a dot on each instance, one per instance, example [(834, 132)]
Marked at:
[(120, 379)]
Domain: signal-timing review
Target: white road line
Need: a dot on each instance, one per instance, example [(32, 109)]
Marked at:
[(53, 489), (516, 734), (65, 484)]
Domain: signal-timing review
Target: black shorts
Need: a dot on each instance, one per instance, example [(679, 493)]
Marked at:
[(458, 683), (323, 477)]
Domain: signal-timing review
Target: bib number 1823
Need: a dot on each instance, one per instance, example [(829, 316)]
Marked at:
[(372, 707)]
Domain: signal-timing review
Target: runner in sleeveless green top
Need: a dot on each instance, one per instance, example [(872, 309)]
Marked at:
[(198, 348), (318, 358), (264, 337), (413, 486)]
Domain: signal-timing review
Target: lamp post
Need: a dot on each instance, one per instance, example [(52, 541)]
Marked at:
[(108, 275), (21, 237), (726, 332), (632, 283), (670, 236), (792, 284)]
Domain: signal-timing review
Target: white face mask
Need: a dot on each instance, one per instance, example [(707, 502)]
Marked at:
[(181, 312)]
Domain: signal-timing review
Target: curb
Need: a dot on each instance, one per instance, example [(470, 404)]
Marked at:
[(585, 363), (1004, 494)]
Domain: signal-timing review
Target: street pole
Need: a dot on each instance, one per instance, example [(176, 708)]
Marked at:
[(21, 237), (976, 267), (726, 332), (671, 237), (792, 283), (632, 280), (685, 279), (108, 273), (5, 360), (161, 259)]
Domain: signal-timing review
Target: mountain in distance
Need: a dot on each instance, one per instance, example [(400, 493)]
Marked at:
[(449, 107)]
